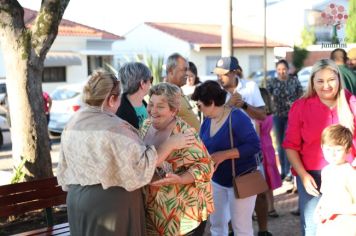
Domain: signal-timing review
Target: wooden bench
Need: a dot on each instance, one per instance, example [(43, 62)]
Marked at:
[(34, 195)]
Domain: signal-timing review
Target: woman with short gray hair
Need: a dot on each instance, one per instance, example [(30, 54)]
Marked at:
[(136, 79)]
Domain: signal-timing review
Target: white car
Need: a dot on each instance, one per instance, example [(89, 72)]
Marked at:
[(304, 76), (66, 100)]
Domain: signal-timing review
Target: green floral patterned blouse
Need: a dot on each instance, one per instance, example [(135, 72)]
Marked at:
[(178, 209)]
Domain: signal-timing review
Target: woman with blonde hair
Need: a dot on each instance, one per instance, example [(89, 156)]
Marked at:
[(103, 164), (324, 103)]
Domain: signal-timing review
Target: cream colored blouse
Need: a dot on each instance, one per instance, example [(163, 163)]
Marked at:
[(100, 148)]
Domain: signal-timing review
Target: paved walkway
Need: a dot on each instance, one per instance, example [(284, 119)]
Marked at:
[(286, 224)]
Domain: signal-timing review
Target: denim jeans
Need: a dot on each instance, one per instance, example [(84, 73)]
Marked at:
[(280, 126), (307, 206)]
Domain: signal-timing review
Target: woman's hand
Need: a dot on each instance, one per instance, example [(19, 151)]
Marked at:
[(169, 179), (310, 185), (182, 140), (217, 157), (221, 156)]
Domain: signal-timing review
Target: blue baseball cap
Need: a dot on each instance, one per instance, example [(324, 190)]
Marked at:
[(226, 64)]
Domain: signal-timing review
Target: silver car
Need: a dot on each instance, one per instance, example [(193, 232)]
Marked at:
[(304, 76), (66, 100)]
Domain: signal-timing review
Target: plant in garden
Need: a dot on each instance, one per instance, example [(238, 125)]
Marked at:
[(351, 23)]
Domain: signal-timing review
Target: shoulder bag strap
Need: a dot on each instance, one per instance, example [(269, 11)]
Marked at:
[(232, 145)]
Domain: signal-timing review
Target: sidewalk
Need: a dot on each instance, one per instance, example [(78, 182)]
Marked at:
[(6, 163), (286, 224)]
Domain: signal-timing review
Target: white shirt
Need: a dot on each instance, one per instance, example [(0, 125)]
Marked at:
[(250, 93)]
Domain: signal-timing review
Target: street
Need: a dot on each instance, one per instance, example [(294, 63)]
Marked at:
[(6, 163)]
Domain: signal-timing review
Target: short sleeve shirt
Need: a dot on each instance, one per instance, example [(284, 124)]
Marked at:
[(141, 114)]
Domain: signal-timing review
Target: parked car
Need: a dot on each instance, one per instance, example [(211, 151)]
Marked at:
[(66, 100), (258, 76), (3, 110), (304, 75)]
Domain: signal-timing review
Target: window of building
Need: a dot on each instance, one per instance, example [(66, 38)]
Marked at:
[(255, 63), (211, 63), (54, 74), (95, 62)]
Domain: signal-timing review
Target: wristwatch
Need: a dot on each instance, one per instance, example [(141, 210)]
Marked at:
[(245, 106)]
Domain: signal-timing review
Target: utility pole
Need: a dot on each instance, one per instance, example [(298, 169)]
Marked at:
[(264, 44), (227, 31)]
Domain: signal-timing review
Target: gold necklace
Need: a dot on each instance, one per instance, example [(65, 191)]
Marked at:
[(220, 118)]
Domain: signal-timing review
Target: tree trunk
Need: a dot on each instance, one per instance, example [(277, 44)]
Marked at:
[(29, 126), (24, 52)]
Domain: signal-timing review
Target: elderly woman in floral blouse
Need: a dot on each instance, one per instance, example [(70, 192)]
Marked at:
[(180, 202), (103, 164)]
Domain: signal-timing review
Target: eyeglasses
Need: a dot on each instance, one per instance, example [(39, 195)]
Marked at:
[(198, 104)]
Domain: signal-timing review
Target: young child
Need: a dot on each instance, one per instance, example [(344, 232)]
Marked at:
[(263, 128), (336, 210)]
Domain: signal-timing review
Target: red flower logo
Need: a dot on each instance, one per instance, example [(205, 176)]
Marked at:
[(334, 15)]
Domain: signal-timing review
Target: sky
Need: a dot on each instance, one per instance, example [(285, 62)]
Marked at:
[(120, 16)]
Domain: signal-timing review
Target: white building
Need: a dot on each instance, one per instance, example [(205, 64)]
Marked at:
[(200, 43), (77, 50)]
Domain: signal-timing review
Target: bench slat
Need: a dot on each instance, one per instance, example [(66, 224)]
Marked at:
[(54, 230), (23, 197), (31, 206), (22, 187)]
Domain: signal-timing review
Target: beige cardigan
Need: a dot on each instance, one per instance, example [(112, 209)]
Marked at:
[(100, 148)]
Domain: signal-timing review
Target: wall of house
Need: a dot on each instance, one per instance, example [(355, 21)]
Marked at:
[(68, 43), (75, 73), (145, 40), (242, 54)]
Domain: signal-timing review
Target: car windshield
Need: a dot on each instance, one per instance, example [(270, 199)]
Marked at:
[(63, 94)]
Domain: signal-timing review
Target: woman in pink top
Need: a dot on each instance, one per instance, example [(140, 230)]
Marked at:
[(325, 102)]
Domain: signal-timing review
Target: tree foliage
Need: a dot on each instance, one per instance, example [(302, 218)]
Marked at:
[(308, 37), (299, 55), (351, 23), (24, 51)]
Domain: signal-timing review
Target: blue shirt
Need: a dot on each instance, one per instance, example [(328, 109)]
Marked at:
[(141, 114), (245, 140)]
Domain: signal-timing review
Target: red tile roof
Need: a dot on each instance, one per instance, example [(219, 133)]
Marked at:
[(70, 28), (209, 36)]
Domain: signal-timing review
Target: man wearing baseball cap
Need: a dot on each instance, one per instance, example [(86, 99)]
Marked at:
[(246, 95), (241, 93), (352, 59)]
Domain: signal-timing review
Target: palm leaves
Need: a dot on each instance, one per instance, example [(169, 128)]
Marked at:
[(156, 67)]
